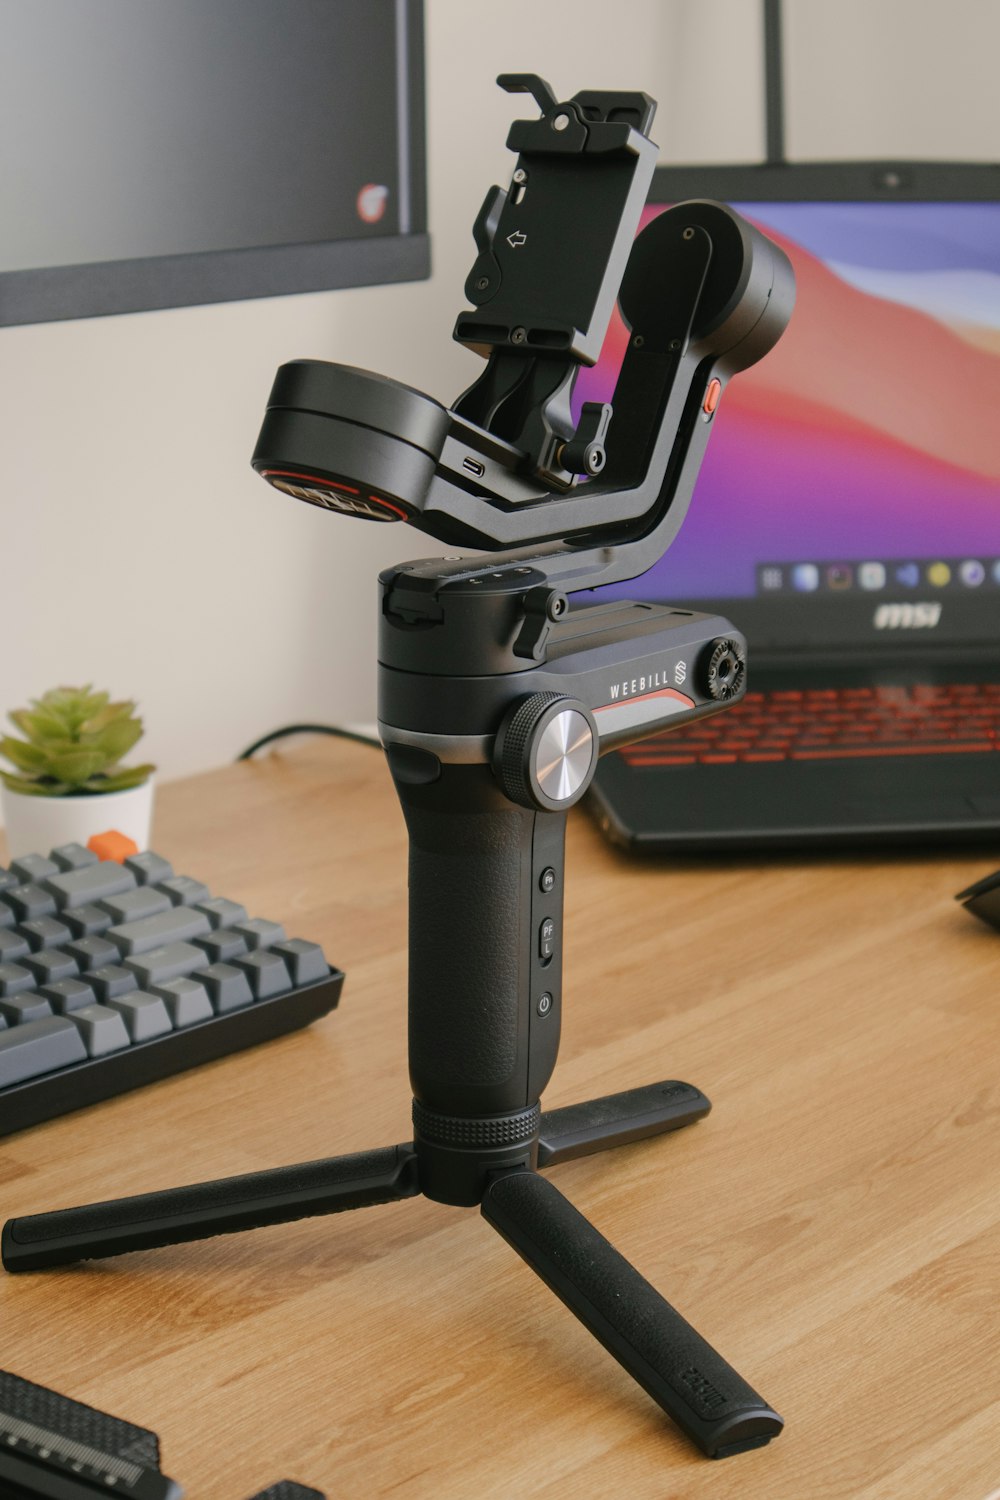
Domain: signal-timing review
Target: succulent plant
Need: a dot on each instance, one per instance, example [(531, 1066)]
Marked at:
[(73, 741)]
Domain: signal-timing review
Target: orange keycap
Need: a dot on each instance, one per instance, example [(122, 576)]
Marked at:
[(112, 845)]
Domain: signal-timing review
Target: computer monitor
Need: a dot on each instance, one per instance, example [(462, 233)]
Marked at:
[(858, 465), (159, 155)]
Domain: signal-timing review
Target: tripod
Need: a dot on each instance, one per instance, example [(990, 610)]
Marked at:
[(484, 1028), (495, 699)]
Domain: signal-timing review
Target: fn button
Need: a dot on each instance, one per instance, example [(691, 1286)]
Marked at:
[(546, 940)]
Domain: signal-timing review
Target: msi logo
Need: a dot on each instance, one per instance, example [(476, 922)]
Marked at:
[(907, 616)]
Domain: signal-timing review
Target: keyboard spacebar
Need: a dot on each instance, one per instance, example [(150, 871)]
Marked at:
[(172, 961), (174, 926), (39, 1047)]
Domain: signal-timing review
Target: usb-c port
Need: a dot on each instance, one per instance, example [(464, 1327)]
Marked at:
[(474, 467)]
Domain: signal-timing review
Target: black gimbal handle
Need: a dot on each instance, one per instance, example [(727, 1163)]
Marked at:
[(486, 877)]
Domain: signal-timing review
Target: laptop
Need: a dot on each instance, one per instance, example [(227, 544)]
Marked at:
[(847, 520)]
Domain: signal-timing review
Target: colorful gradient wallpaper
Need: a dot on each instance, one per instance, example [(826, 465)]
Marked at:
[(872, 430)]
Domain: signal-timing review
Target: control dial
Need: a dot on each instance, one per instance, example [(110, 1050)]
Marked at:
[(724, 669), (546, 752)]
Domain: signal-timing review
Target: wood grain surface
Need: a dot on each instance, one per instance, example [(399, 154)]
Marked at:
[(833, 1227)]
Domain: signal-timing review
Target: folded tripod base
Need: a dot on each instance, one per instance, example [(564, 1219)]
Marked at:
[(693, 1384)]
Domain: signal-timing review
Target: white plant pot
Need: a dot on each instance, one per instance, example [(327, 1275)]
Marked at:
[(34, 825)]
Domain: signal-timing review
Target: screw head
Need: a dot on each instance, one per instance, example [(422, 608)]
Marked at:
[(520, 175), (560, 122), (688, 234), (482, 283), (638, 341), (519, 335)]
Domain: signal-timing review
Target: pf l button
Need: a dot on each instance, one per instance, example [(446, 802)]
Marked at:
[(712, 395)]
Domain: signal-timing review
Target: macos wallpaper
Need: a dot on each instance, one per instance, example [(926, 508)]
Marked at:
[(871, 433)]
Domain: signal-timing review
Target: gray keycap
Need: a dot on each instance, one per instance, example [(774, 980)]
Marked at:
[(27, 1007), (45, 932), (173, 926), (92, 883), (221, 946), (148, 868), (7, 917), (33, 867), (266, 972), (260, 933), (73, 857), (92, 952), (12, 946), (305, 961), (220, 912), (38, 1047), (14, 979), (28, 901), (87, 921), (145, 1016), (111, 980), (186, 1000), (144, 901), (182, 890), (49, 965), (6, 879), (68, 994), (227, 987), (102, 1029), (172, 961)]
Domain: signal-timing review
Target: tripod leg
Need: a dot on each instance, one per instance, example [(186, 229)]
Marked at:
[(695, 1386), (208, 1208), (617, 1119)]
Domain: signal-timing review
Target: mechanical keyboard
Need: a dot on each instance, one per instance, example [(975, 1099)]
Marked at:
[(834, 724), (114, 975)]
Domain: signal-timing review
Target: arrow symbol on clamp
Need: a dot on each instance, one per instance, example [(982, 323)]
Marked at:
[(517, 238)]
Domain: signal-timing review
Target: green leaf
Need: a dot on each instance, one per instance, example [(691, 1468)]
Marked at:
[(29, 788), (115, 741), (26, 757), (40, 726), (120, 781), (108, 714), (76, 765)]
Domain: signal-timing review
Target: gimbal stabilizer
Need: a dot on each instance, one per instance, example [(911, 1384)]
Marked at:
[(495, 699)]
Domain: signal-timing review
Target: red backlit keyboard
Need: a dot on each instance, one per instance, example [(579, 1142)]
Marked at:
[(835, 724)]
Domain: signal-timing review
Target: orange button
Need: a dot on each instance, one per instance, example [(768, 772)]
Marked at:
[(712, 395), (112, 845)]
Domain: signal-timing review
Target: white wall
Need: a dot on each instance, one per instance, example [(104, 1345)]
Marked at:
[(137, 549)]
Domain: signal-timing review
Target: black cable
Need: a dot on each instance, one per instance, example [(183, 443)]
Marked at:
[(279, 734)]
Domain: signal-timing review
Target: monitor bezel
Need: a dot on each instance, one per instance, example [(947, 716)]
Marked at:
[(795, 623), (59, 293)]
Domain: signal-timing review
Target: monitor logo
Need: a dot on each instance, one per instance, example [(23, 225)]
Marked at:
[(907, 616)]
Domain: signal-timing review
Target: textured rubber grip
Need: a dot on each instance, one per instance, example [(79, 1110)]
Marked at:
[(618, 1119), (470, 943), (703, 1394), (177, 1215)]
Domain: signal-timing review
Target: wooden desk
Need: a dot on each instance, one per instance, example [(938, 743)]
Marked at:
[(833, 1227)]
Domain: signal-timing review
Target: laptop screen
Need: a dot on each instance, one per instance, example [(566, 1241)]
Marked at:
[(858, 463)]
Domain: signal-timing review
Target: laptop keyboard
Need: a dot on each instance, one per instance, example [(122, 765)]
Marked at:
[(834, 724), (115, 974)]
